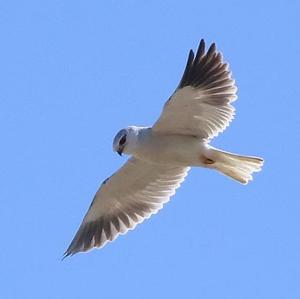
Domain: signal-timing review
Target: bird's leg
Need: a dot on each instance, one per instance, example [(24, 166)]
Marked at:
[(206, 161)]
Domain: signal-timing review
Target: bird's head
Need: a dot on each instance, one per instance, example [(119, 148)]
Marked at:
[(125, 140)]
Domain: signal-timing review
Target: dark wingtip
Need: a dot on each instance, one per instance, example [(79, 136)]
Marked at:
[(190, 57), (66, 254), (204, 68), (200, 51), (63, 257), (71, 250), (212, 49), (188, 67)]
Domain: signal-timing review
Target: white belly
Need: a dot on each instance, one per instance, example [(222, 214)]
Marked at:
[(171, 149)]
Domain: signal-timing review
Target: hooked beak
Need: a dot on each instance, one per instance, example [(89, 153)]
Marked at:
[(120, 151)]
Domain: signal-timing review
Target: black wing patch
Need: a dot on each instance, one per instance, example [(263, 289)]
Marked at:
[(205, 70)]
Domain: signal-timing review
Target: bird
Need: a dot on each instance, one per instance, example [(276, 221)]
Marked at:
[(161, 156)]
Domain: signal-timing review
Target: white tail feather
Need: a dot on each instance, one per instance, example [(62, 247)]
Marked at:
[(240, 168)]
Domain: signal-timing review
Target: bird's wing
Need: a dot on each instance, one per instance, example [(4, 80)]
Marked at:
[(133, 193), (201, 104)]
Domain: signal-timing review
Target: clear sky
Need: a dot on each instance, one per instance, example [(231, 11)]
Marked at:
[(72, 73)]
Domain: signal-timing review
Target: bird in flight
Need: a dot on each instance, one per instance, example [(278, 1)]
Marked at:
[(161, 155)]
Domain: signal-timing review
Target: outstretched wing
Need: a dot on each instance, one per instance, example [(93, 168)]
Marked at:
[(135, 192), (200, 106)]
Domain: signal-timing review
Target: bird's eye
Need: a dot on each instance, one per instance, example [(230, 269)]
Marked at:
[(122, 140)]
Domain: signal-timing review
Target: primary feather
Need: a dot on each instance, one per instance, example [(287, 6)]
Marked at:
[(201, 104), (135, 192)]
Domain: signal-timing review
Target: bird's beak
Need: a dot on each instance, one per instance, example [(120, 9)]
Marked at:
[(120, 151)]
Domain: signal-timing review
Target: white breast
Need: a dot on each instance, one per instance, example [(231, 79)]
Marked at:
[(168, 149)]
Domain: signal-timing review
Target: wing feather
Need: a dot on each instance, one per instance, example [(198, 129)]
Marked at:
[(132, 194), (201, 104)]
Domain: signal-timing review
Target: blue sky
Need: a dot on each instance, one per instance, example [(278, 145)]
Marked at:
[(72, 74)]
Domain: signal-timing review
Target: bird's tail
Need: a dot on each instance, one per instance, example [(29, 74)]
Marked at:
[(240, 168)]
